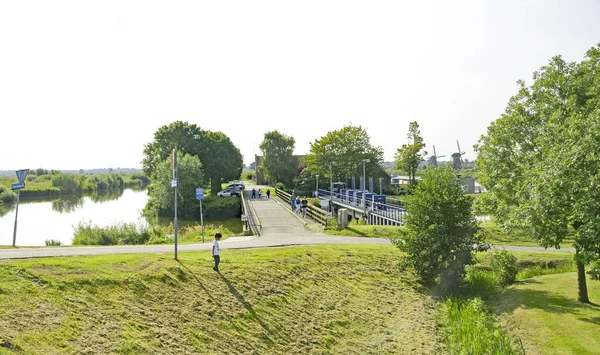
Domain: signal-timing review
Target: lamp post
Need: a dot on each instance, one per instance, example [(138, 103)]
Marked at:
[(364, 187), (330, 186), (317, 189)]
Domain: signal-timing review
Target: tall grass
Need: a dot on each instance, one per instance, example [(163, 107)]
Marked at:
[(131, 234), (471, 328)]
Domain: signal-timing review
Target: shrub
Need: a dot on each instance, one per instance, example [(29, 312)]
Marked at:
[(67, 183), (221, 208), (8, 197), (120, 234), (53, 242), (504, 266), (143, 178), (281, 186)]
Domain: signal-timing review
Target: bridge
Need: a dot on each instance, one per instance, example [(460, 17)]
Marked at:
[(363, 204), (386, 211)]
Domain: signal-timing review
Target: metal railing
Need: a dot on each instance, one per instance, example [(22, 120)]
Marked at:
[(317, 214), (252, 223), (392, 210)]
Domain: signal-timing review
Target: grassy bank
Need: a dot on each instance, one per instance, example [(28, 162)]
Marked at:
[(544, 313), (298, 300)]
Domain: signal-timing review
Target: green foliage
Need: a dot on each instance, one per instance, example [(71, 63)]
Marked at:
[(221, 159), (278, 162), (68, 183), (539, 160), (504, 267), (281, 186), (346, 148), (52, 242), (119, 234), (161, 200), (106, 181), (409, 156), (471, 328), (221, 208), (441, 236), (142, 178), (249, 175), (7, 196)]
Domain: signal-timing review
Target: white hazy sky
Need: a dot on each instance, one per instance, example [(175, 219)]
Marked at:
[(86, 84)]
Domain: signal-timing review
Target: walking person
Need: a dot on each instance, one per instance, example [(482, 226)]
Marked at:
[(268, 194), (259, 193), (216, 251), (304, 206), (298, 205), (253, 193), (293, 201)]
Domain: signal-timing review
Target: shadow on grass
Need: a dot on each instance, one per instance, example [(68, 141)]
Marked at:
[(545, 301), (246, 305), (362, 234)]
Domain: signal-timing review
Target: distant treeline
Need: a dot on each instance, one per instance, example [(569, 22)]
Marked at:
[(53, 183)]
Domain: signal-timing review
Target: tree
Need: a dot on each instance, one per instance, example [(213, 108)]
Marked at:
[(540, 160), (409, 156), (278, 162), (220, 158), (441, 236), (346, 148), (161, 201)]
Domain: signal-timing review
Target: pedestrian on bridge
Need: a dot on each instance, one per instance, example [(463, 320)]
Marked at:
[(259, 193), (253, 193), (293, 201), (298, 205), (268, 194)]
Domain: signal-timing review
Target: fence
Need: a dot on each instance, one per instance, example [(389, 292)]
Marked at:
[(252, 222), (317, 214)]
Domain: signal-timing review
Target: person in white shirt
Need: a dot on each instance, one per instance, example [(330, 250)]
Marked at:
[(216, 251)]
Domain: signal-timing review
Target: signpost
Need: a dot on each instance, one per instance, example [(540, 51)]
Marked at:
[(21, 175), (200, 196), (174, 186)]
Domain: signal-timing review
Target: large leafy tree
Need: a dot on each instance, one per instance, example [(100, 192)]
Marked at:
[(410, 154), (278, 162), (220, 158), (540, 160), (441, 236), (346, 148), (162, 200)]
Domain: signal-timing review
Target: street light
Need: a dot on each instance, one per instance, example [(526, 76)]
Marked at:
[(317, 189), (330, 186), (364, 187)]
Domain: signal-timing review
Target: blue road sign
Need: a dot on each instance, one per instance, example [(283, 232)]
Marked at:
[(199, 193), (17, 186), (174, 183)]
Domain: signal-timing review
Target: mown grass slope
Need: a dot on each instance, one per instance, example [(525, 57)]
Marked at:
[(296, 300), (544, 312)]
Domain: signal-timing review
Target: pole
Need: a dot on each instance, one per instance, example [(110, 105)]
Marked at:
[(317, 191), (201, 220), (381, 186), (16, 214), (175, 192), (330, 188)]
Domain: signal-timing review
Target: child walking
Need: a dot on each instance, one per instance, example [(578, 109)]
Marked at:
[(216, 251)]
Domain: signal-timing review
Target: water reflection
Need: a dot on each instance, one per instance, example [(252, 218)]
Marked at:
[(67, 204), (106, 195)]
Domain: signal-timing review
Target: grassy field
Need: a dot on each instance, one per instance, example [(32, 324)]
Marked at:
[(298, 300), (496, 236), (545, 314)]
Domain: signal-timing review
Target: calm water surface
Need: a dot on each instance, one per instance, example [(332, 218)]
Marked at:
[(41, 220)]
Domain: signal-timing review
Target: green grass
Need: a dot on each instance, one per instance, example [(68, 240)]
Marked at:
[(545, 314), (531, 264), (495, 235), (470, 327), (295, 300), (359, 229)]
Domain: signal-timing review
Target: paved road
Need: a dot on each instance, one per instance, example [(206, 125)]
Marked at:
[(280, 228)]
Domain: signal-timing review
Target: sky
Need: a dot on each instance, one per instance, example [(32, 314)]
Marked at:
[(86, 84)]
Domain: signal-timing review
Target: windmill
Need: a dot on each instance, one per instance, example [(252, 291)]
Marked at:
[(433, 159), (457, 158)]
